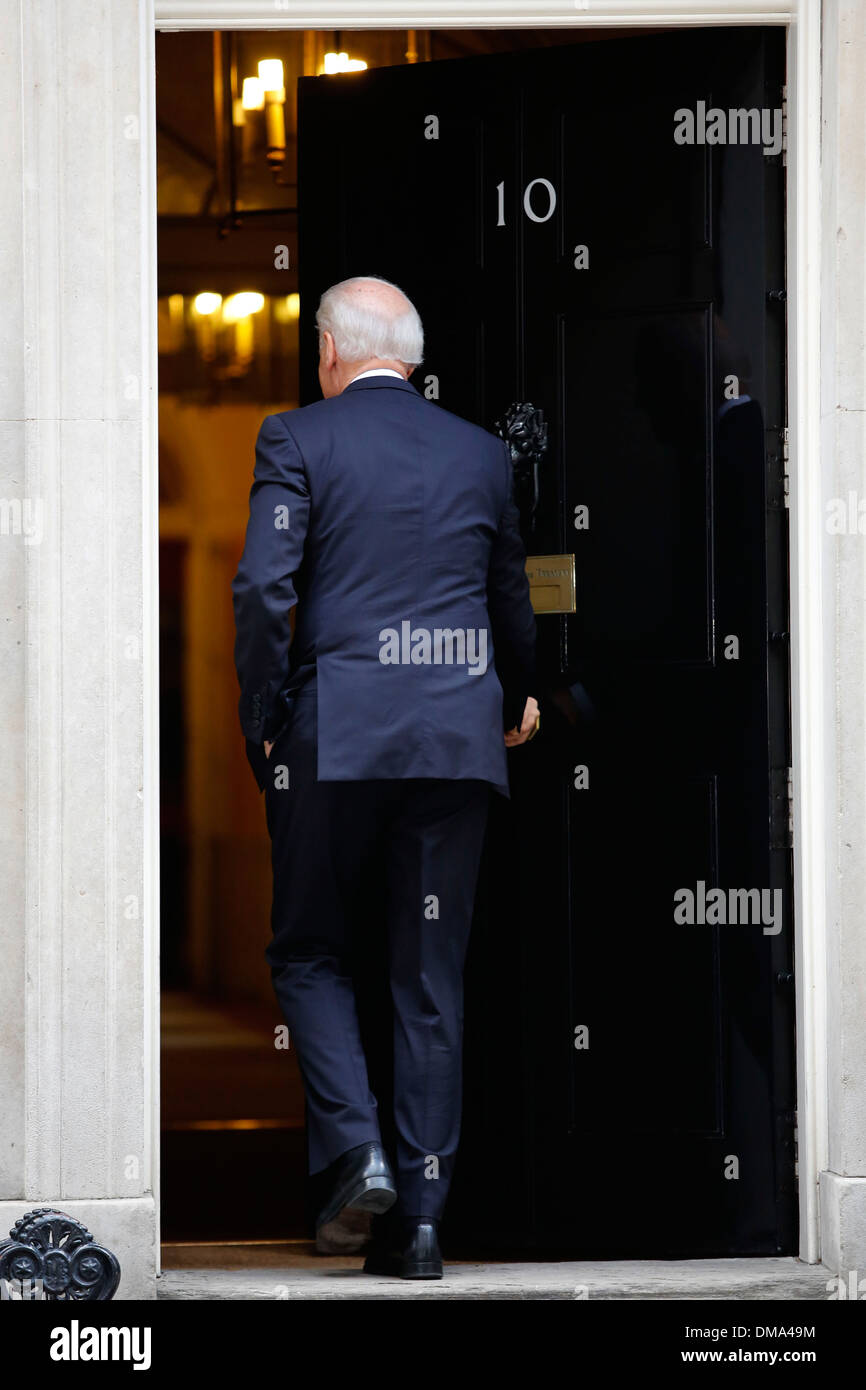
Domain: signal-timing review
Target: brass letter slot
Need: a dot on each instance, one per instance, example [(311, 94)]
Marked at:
[(551, 583)]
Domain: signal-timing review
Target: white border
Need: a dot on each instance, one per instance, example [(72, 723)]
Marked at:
[(808, 667)]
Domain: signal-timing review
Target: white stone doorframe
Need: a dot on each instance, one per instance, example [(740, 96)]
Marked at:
[(79, 804), (836, 1157)]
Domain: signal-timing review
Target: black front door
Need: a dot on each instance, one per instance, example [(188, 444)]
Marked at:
[(598, 230)]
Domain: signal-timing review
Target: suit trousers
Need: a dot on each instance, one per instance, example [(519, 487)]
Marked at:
[(397, 858)]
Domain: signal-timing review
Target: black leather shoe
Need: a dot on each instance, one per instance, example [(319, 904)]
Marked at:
[(362, 1181), (409, 1253)]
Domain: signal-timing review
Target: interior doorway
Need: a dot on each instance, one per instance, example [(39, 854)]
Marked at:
[(228, 277), (229, 226)]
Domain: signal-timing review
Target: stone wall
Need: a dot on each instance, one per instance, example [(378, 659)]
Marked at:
[(78, 930)]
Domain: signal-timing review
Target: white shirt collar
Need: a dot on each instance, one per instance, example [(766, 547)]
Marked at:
[(378, 371)]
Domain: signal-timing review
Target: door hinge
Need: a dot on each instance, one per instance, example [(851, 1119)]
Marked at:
[(787, 1133), (770, 152), (781, 807), (779, 481)]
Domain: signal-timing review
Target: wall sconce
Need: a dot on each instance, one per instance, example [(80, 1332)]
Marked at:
[(341, 62), (271, 79), (221, 330), (287, 308), (240, 306), (205, 307), (238, 129), (207, 303), (170, 321), (252, 95), (239, 309), (252, 99)]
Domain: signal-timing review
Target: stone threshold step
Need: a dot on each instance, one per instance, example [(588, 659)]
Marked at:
[(342, 1278)]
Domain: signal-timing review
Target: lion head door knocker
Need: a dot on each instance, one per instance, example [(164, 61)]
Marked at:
[(524, 429), (52, 1253)]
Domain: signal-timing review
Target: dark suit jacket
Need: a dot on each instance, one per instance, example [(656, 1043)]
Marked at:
[(388, 521)]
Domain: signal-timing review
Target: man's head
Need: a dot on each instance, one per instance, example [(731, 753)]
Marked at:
[(363, 323)]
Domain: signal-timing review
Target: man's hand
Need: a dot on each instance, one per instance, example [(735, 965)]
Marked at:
[(528, 725), (268, 747)]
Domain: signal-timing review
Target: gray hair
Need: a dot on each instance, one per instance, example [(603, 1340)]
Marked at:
[(363, 326)]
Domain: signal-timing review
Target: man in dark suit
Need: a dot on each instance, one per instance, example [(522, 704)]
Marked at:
[(377, 728)]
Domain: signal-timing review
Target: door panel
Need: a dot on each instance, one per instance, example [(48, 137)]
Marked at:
[(662, 523), (629, 1079)]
